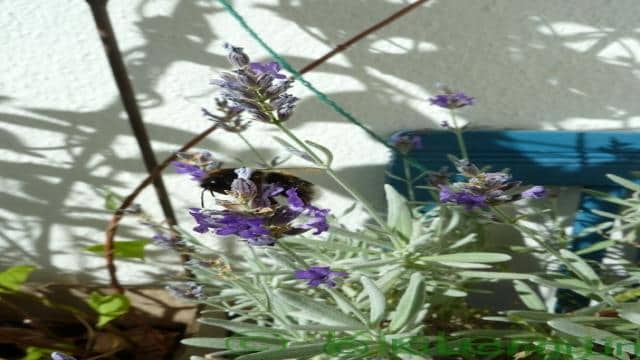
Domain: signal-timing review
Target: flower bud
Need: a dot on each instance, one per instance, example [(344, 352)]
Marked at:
[(236, 56)]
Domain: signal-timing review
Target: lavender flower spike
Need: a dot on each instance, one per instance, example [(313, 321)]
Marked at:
[(319, 275), (257, 89), (195, 171), (536, 192), (449, 99), (464, 198), (406, 143)]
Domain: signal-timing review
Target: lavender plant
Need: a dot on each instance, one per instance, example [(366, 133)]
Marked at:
[(303, 286)]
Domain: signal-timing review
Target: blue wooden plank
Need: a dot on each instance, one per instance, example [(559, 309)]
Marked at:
[(561, 158)]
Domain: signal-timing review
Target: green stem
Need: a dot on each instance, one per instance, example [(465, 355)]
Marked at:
[(354, 193), (458, 131), (266, 108), (408, 180), (253, 150)]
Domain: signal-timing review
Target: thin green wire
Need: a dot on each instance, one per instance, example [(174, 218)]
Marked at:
[(322, 96)]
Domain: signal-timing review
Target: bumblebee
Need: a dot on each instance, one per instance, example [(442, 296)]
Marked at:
[(220, 180)]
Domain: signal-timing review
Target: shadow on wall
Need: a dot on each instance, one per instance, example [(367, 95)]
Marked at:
[(531, 65), (40, 211), (553, 65)]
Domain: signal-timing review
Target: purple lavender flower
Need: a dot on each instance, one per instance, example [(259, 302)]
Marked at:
[(483, 189), (446, 195), (284, 103), (190, 291), (536, 192), (295, 202), (271, 67), (319, 275), (195, 171), (204, 220), (451, 100), (406, 143), (242, 187), (61, 356), (230, 120), (467, 199), (268, 192), (224, 223), (495, 178), (250, 228), (318, 217), (318, 220), (471, 201), (257, 90)]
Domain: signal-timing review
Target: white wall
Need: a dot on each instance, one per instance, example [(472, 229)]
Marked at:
[(542, 64)]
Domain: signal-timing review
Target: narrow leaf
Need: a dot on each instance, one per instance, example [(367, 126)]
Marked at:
[(472, 257), (606, 197), (410, 303), (327, 153), (240, 327), (596, 247), (292, 352), (399, 214), (203, 342), (630, 312), (599, 336), (496, 275), (333, 328), (320, 312), (580, 266), (624, 182), (377, 301), (237, 343), (465, 265), (293, 150), (528, 296)]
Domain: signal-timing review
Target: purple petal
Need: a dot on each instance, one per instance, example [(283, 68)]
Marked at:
[(304, 274), (295, 202), (536, 192), (320, 270)]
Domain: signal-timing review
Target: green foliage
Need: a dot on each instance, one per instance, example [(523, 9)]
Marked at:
[(377, 302), (12, 278), (123, 249), (108, 307), (36, 353), (399, 214), (426, 263)]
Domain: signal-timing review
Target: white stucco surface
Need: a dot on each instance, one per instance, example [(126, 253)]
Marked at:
[(543, 64)]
